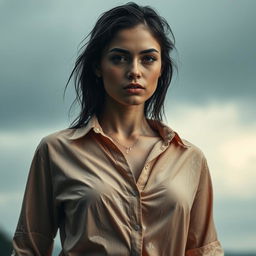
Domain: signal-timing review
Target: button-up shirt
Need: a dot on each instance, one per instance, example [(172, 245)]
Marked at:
[(80, 183)]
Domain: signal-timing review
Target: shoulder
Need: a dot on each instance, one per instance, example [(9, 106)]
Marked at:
[(55, 140), (193, 151), (192, 146), (195, 161), (170, 134), (64, 134)]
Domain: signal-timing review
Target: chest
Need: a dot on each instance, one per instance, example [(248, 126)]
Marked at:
[(137, 157), (97, 186)]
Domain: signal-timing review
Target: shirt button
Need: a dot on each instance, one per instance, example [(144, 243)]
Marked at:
[(96, 129), (147, 166), (134, 193), (136, 227)]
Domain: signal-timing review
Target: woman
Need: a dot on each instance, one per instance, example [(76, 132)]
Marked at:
[(119, 181)]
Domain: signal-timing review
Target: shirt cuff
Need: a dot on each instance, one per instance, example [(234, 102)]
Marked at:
[(212, 249)]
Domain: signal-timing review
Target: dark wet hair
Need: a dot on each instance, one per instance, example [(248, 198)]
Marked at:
[(90, 92)]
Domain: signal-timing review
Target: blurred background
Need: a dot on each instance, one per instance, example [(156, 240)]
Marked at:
[(211, 101)]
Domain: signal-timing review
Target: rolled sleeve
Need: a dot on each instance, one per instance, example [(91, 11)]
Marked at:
[(202, 237), (212, 249), (37, 225)]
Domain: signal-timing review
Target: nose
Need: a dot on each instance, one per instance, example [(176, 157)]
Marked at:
[(134, 70)]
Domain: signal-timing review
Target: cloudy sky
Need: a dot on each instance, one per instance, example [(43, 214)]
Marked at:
[(211, 101)]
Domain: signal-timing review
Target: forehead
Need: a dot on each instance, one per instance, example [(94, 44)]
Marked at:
[(135, 39)]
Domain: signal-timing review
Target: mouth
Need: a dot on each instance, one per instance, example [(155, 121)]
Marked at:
[(134, 89), (134, 86)]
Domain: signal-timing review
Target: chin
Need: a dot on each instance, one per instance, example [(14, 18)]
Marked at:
[(129, 101), (134, 102)]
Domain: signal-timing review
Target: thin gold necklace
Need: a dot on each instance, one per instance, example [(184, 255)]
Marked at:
[(127, 149)]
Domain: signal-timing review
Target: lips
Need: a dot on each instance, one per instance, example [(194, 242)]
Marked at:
[(134, 86)]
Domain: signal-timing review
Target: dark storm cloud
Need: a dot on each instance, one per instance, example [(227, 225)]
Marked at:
[(216, 46), (39, 41), (38, 46), (33, 62)]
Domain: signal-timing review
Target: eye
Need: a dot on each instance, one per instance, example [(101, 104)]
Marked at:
[(116, 59), (148, 59)]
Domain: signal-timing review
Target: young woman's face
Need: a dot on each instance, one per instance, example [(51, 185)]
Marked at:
[(131, 66)]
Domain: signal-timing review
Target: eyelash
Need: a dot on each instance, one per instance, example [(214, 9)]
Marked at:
[(117, 59), (149, 58)]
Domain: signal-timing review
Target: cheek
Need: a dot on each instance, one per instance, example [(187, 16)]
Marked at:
[(153, 76), (111, 75)]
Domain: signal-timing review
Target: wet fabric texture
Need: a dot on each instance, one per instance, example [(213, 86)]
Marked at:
[(80, 183)]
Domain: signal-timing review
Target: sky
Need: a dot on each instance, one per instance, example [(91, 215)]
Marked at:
[(211, 101)]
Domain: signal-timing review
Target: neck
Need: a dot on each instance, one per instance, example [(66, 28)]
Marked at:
[(124, 121)]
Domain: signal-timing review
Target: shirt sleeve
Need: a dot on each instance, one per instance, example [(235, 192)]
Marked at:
[(202, 237), (37, 225)]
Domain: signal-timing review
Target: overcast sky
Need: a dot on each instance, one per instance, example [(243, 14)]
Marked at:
[(211, 101)]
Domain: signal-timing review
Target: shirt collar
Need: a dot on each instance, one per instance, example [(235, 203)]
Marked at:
[(165, 131)]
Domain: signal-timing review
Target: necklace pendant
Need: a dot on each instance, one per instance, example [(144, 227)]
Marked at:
[(127, 149)]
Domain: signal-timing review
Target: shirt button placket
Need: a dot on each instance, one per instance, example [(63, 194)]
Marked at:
[(134, 253), (135, 222), (136, 227), (134, 193)]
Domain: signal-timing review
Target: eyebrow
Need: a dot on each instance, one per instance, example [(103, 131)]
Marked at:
[(127, 52)]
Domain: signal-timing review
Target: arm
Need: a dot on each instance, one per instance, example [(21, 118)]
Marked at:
[(202, 238), (37, 225)]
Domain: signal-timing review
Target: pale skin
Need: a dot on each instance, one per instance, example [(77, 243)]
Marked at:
[(133, 56)]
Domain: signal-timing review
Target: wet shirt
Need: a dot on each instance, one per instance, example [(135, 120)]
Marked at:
[(80, 183)]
